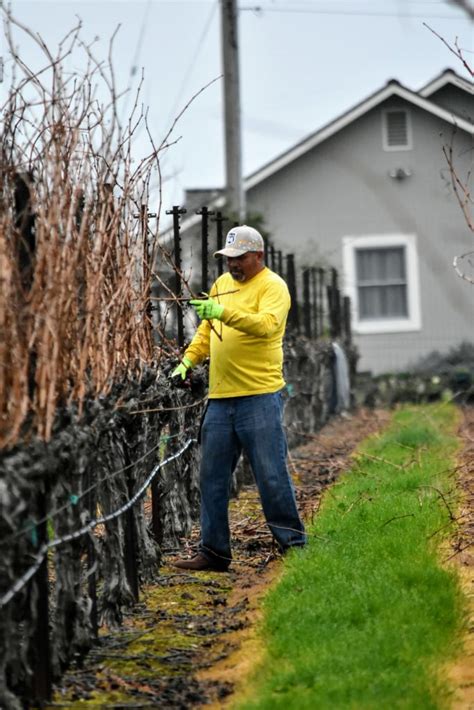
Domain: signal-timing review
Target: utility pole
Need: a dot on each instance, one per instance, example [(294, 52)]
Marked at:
[(233, 140)]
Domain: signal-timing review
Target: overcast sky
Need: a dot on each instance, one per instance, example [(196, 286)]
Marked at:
[(302, 64)]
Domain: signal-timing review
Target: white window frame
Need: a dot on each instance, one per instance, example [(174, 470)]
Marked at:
[(391, 148), (383, 325)]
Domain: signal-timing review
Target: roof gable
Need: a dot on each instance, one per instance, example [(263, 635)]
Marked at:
[(447, 77), (392, 88)]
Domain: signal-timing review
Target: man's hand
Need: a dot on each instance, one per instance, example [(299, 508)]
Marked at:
[(207, 309), (181, 369)]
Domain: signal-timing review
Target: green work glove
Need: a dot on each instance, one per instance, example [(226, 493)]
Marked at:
[(182, 368), (207, 309)]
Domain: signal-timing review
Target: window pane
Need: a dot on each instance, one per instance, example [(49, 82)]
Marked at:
[(378, 266), (382, 302)]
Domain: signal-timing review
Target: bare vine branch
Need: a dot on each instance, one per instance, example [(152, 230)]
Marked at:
[(76, 263), (461, 186)]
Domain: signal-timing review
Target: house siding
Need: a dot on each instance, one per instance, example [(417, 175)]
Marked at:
[(456, 100), (342, 188)]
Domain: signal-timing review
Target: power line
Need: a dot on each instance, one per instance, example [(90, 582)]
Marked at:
[(334, 3), (261, 9), (141, 36), (138, 47), (192, 63)]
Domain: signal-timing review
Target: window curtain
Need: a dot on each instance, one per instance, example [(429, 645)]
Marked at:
[(381, 283)]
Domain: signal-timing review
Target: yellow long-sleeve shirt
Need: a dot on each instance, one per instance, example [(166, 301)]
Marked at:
[(247, 358)]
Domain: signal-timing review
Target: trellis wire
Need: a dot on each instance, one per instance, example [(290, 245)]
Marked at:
[(75, 498), (31, 571)]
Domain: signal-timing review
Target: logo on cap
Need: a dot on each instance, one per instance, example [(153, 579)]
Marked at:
[(230, 238)]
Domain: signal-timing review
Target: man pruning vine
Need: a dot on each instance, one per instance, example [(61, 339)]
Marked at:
[(248, 307)]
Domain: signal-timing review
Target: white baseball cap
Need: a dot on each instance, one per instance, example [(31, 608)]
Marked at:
[(240, 240)]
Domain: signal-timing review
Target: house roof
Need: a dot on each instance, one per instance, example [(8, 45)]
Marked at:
[(392, 88), (448, 76)]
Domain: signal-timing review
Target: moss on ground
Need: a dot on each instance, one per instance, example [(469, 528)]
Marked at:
[(156, 644)]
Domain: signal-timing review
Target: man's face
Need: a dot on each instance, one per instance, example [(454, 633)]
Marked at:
[(242, 268)]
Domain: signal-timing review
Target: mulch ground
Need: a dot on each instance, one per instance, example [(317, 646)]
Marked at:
[(213, 615)]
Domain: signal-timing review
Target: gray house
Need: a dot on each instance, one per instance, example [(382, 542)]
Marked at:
[(371, 194)]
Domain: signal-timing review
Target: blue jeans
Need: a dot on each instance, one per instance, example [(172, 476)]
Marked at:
[(252, 424)]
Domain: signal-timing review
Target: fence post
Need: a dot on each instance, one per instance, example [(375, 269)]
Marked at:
[(314, 302), (130, 540), (177, 212), (330, 309), (291, 281), (272, 257), (280, 263), (24, 223), (91, 501), (144, 216), (306, 304), (346, 306), (334, 301), (321, 301), (156, 524), (40, 651), (219, 219), (337, 303), (80, 204), (204, 212)]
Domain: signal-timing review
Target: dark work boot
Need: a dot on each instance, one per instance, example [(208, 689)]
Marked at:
[(199, 563)]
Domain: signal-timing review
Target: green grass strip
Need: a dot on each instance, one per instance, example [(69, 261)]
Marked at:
[(365, 614)]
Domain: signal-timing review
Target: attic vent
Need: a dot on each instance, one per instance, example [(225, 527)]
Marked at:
[(396, 130)]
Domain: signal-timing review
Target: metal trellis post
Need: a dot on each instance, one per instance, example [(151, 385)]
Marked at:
[(336, 303), (156, 521), (346, 305), (291, 281), (321, 301), (177, 212), (144, 216), (130, 538), (280, 263), (306, 304), (272, 257), (314, 302), (40, 650), (25, 226), (91, 504), (204, 212), (219, 219)]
